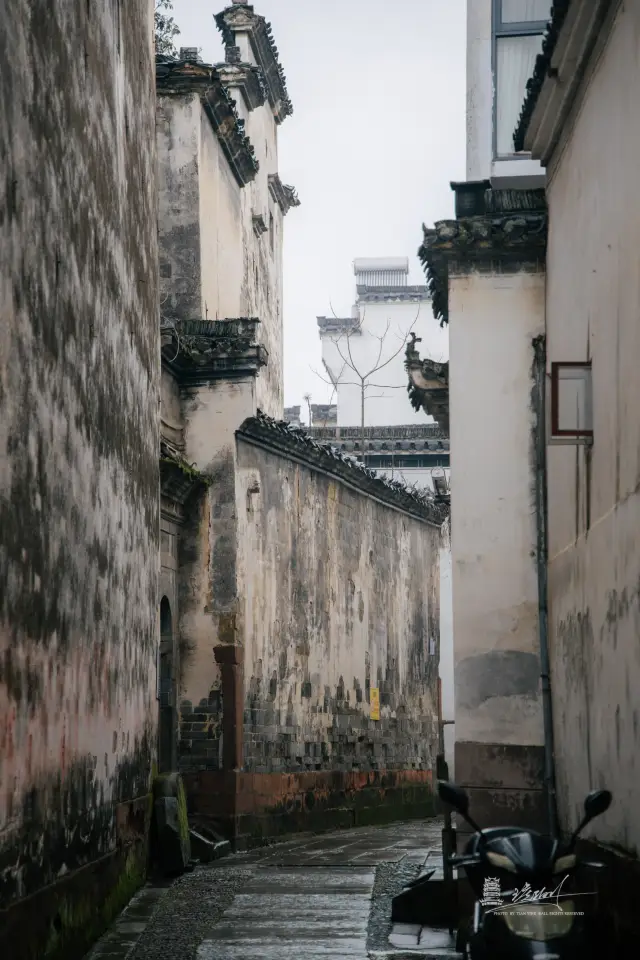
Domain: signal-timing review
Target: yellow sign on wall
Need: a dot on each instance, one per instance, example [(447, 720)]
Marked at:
[(374, 702)]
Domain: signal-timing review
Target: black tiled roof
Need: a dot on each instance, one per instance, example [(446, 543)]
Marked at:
[(504, 233), (265, 50), (295, 442), (558, 12)]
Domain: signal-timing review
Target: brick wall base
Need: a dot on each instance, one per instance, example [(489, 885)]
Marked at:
[(254, 807)]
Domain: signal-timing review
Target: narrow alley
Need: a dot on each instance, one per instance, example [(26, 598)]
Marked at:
[(319, 480)]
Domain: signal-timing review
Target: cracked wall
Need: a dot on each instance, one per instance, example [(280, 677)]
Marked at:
[(79, 372)]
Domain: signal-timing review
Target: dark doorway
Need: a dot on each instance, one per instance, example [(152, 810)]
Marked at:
[(166, 719)]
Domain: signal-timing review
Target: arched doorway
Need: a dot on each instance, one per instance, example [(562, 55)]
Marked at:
[(166, 719)]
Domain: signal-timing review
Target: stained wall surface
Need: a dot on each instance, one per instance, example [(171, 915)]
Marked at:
[(340, 595), (494, 318), (594, 501), (213, 264), (79, 378)]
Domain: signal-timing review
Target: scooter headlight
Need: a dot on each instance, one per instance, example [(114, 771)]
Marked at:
[(501, 862), (563, 864), (540, 921)]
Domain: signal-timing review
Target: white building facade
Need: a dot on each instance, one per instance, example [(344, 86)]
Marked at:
[(364, 354), (364, 358)]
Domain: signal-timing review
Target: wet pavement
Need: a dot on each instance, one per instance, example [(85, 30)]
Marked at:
[(312, 912), (324, 897)]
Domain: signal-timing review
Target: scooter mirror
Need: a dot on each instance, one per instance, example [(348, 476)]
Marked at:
[(596, 803), (454, 795)]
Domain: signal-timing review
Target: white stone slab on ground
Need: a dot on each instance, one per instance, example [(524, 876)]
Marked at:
[(314, 913)]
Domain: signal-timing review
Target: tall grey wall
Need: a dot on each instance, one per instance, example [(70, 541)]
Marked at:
[(339, 595), (79, 368)]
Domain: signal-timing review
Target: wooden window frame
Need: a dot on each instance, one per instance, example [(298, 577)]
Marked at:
[(556, 435)]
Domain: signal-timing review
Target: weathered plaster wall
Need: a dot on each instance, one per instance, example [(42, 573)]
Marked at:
[(446, 666), (594, 501), (499, 735), (340, 594), (221, 229), (79, 389), (242, 274), (208, 590), (493, 321), (178, 139), (212, 264)]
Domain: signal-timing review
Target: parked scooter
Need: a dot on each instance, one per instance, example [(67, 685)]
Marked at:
[(527, 905)]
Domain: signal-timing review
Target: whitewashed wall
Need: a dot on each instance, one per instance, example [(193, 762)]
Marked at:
[(219, 267), (493, 320), (386, 401), (594, 499), (446, 651)]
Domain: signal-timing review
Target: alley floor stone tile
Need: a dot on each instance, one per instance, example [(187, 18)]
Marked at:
[(310, 897), (322, 919)]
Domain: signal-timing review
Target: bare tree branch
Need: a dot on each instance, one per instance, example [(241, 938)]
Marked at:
[(363, 379)]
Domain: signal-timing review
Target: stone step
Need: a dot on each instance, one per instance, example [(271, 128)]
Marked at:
[(206, 850)]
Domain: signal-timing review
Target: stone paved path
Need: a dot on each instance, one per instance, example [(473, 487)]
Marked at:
[(312, 912), (311, 897)]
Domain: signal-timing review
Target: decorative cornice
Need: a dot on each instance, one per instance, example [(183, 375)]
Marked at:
[(512, 229), (282, 194), (338, 325), (294, 443), (559, 12), (178, 478), (259, 226), (177, 77), (200, 351), (428, 386), (240, 18), (247, 78), (413, 294)]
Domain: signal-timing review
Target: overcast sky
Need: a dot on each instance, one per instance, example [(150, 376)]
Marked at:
[(377, 134)]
